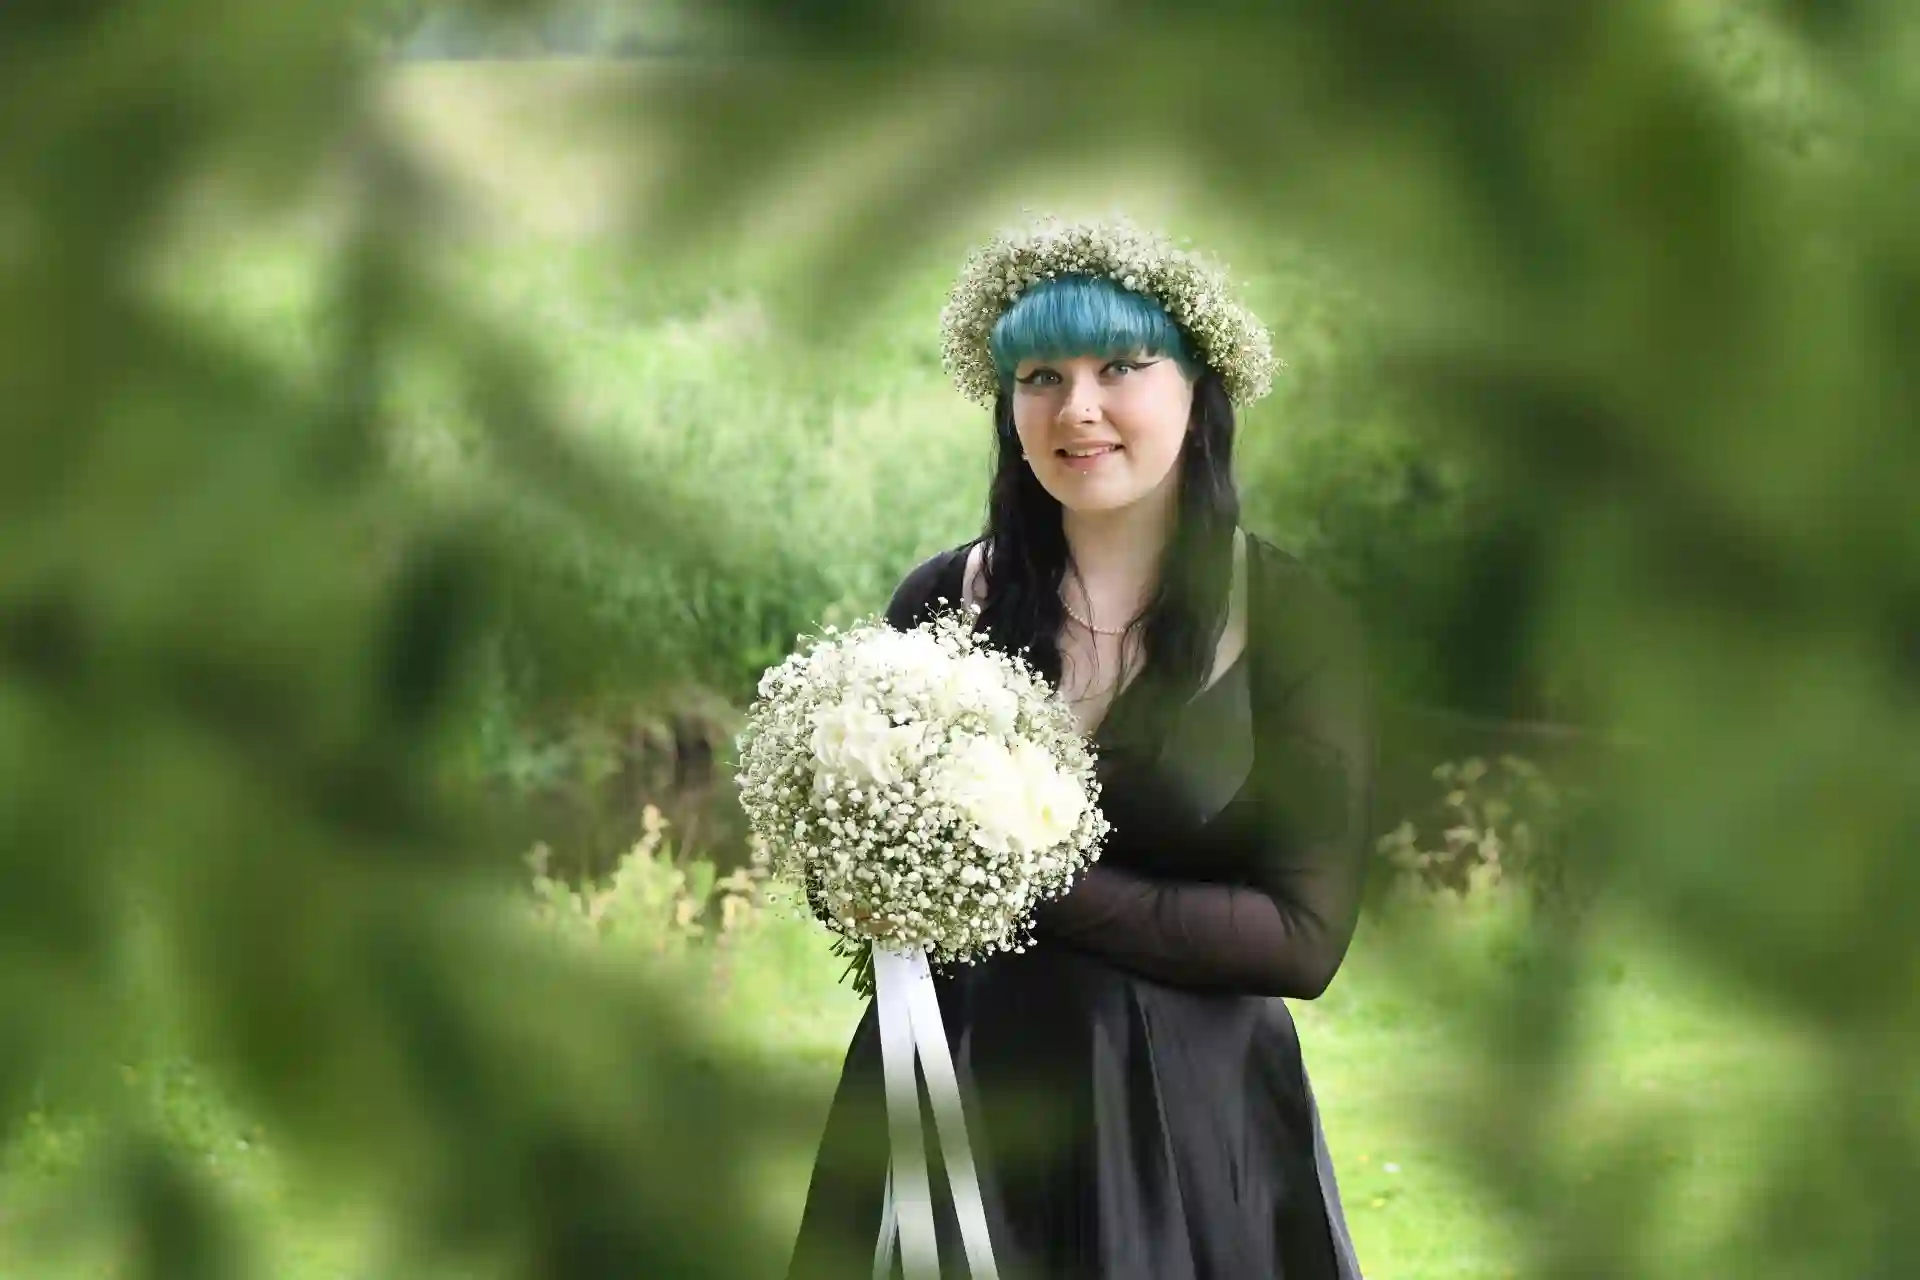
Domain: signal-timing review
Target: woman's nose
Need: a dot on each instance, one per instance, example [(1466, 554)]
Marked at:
[(1081, 403)]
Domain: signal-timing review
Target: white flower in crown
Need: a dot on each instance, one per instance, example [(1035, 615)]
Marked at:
[(1194, 291)]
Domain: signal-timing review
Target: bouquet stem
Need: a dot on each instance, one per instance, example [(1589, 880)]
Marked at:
[(858, 952)]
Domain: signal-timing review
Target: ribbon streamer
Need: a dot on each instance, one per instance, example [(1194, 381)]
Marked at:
[(910, 1028)]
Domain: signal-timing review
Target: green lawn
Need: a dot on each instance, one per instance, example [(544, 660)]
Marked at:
[(1392, 1049)]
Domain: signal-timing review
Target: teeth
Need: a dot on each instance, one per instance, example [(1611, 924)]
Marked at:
[(1088, 453)]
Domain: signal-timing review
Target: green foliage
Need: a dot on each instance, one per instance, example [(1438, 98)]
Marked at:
[(769, 990), (652, 901), (560, 28), (1653, 293), (1504, 824)]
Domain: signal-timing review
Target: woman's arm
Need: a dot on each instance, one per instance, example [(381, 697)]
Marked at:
[(1286, 932)]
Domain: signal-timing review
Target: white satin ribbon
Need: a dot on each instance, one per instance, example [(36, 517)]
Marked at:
[(910, 1027)]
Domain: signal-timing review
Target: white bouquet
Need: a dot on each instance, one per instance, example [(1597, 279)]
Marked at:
[(927, 790)]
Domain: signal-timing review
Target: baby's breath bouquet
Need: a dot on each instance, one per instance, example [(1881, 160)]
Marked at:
[(927, 790)]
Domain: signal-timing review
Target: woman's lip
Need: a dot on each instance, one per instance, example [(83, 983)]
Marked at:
[(1087, 461), (1095, 450)]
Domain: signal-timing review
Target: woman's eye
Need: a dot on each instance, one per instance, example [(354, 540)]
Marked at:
[(1039, 378), (1123, 366)]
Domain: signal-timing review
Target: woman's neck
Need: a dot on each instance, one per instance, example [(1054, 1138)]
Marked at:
[(1116, 554)]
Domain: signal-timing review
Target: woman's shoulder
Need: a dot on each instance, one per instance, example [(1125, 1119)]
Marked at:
[(1279, 566), (1272, 560), (1297, 606), (941, 574)]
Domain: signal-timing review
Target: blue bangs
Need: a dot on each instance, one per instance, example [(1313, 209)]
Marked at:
[(1083, 316)]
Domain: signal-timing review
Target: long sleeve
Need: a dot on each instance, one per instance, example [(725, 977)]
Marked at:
[(1286, 929)]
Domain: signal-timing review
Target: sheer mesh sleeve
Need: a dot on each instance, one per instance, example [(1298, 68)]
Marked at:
[(1285, 930)]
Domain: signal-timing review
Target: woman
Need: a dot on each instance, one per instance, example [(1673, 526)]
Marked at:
[(1136, 1095)]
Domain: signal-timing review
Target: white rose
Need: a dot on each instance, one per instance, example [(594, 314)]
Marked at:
[(986, 684), (980, 778), (947, 694), (1017, 798), (1055, 801), (975, 682), (886, 653), (853, 742)]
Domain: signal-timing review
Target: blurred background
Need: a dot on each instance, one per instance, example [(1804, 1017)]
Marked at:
[(424, 421)]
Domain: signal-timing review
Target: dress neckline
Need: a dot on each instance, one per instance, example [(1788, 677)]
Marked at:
[(1230, 676), (958, 572)]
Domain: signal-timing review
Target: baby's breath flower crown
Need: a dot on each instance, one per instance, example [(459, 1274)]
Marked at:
[(1193, 289)]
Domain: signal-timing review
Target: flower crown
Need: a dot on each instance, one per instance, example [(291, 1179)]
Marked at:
[(1193, 289)]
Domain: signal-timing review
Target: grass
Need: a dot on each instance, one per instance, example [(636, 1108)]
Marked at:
[(1392, 1057), (1399, 1051)]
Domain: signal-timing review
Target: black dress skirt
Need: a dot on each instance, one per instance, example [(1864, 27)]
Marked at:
[(1135, 1093)]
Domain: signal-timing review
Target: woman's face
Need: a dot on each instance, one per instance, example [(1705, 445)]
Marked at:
[(1128, 416)]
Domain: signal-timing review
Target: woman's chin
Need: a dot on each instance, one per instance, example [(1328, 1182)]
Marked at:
[(1088, 504), (1090, 494)]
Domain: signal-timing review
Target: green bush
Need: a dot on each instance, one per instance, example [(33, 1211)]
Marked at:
[(1505, 825), (653, 900)]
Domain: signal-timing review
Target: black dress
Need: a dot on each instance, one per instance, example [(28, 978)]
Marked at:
[(1135, 1093)]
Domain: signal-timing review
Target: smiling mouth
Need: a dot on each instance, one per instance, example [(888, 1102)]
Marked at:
[(1095, 452)]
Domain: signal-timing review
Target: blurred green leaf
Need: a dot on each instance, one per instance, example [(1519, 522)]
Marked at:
[(1604, 326)]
